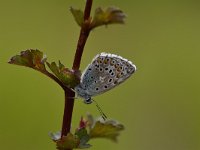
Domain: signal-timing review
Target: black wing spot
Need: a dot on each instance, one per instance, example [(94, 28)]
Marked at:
[(101, 69), (110, 80), (97, 66), (106, 69), (117, 64), (105, 86), (97, 89), (90, 69), (110, 70)]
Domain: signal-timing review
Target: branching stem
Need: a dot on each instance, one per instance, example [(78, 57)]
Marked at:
[(69, 94), (84, 33)]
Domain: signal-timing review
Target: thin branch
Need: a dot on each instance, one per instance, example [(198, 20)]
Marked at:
[(54, 78), (67, 117), (69, 94), (88, 7), (84, 33)]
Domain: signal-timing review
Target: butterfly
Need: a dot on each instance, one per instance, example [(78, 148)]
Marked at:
[(105, 72)]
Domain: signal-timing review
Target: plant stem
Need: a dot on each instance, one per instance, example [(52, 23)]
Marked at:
[(54, 78), (84, 33), (68, 109), (69, 94)]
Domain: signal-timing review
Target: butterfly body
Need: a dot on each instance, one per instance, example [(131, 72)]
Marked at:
[(105, 72)]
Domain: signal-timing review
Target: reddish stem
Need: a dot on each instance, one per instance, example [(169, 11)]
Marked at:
[(84, 33), (68, 109), (69, 94)]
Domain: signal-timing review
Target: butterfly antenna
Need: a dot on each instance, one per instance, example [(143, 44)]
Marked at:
[(100, 111)]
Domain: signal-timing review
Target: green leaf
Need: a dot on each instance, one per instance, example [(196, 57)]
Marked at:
[(64, 74), (68, 142), (84, 138), (78, 140), (81, 132), (111, 15), (104, 129), (78, 15), (109, 129), (30, 58), (36, 60)]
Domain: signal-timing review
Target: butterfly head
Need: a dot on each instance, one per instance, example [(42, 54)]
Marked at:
[(88, 100), (81, 92)]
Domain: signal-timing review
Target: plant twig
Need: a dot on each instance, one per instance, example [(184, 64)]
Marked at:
[(69, 94), (68, 109), (54, 78), (84, 33)]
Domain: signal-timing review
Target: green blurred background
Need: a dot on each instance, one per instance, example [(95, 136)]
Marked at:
[(159, 104)]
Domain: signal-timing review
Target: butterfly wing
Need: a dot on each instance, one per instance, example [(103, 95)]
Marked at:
[(105, 72)]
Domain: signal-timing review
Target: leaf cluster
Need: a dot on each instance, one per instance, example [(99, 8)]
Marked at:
[(88, 129), (111, 15), (35, 59)]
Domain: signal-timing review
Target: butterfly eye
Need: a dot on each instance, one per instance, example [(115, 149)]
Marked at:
[(88, 101)]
